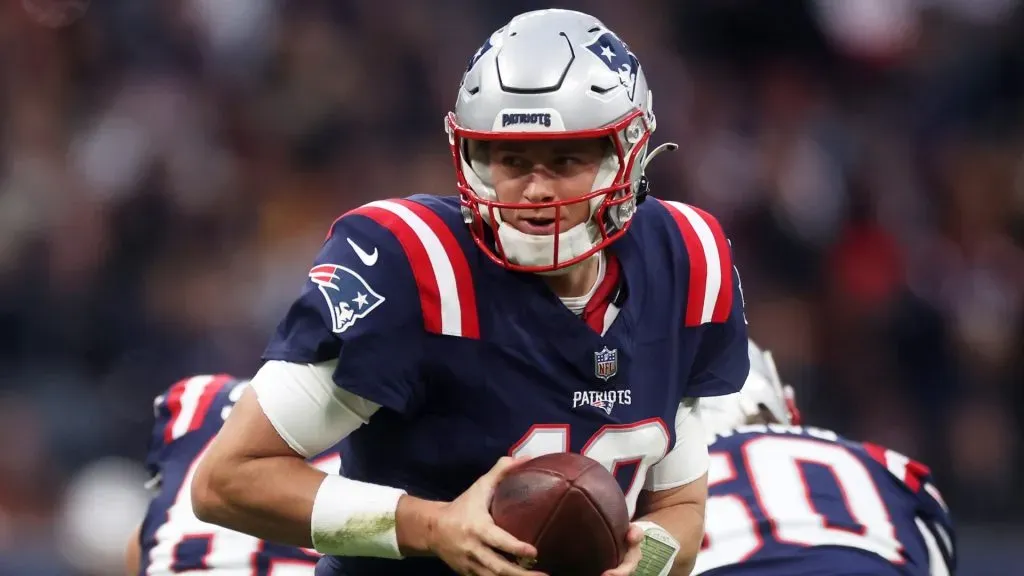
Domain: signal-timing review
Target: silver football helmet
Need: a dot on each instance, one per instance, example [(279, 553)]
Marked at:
[(763, 390), (552, 74)]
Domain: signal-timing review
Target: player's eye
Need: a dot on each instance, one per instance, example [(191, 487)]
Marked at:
[(513, 161), (567, 164)]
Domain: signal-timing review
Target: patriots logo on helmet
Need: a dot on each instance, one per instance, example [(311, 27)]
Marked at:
[(478, 54), (348, 296), (616, 56), (492, 41)]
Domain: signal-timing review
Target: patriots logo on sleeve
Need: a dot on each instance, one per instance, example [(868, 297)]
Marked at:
[(616, 56), (348, 296)]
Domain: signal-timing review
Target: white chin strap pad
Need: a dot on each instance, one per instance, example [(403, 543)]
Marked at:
[(539, 250)]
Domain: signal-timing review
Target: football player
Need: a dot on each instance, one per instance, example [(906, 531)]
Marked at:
[(171, 540), (551, 306), (787, 499)]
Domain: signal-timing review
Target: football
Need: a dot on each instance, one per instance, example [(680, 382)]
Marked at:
[(570, 508)]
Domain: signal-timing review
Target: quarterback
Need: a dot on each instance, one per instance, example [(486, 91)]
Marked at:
[(552, 305)]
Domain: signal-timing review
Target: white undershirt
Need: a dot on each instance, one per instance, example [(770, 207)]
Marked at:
[(579, 303)]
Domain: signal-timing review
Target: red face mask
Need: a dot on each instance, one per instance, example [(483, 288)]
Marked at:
[(611, 209)]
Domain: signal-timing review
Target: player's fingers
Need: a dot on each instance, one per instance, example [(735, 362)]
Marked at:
[(494, 563), (483, 489), (499, 539), (503, 466), (635, 535), (631, 560), (477, 569), (484, 562)]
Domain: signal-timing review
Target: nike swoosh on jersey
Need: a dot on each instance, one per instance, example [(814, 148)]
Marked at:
[(364, 256)]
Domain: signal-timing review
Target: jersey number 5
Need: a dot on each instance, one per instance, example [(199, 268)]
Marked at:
[(773, 465), (627, 450)]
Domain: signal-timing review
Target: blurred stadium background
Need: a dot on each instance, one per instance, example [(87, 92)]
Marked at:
[(169, 168)]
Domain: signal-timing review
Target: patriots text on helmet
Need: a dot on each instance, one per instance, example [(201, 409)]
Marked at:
[(542, 118)]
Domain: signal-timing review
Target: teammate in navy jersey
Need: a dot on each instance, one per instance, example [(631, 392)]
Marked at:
[(787, 500), (551, 306), (171, 540)]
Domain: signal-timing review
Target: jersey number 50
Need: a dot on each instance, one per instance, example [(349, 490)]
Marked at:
[(773, 466)]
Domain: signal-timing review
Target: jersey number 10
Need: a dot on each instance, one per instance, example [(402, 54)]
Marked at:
[(627, 450)]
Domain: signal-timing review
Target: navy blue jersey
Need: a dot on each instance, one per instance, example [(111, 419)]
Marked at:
[(173, 540), (792, 501), (471, 362)]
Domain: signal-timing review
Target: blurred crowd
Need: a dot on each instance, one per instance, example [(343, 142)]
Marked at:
[(168, 170)]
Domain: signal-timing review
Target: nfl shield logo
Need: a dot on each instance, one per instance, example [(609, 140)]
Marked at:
[(606, 363)]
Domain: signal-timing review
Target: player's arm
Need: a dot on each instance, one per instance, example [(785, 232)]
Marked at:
[(347, 346), (677, 486), (254, 478), (671, 506), (351, 344), (133, 553), (680, 513)]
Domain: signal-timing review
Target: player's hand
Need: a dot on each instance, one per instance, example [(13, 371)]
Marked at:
[(634, 536), (467, 539)]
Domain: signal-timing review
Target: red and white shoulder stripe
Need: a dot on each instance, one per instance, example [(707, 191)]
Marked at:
[(188, 401), (443, 277), (909, 471), (710, 292)]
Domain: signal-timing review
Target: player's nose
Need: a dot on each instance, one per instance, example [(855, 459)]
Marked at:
[(538, 189)]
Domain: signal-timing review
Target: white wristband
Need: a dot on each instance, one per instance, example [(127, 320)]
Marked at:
[(352, 518), (659, 550)]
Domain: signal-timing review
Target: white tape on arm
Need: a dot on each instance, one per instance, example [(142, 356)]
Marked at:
[(352, 518)]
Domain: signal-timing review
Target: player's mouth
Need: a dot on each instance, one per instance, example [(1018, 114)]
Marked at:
[(537, 225)]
